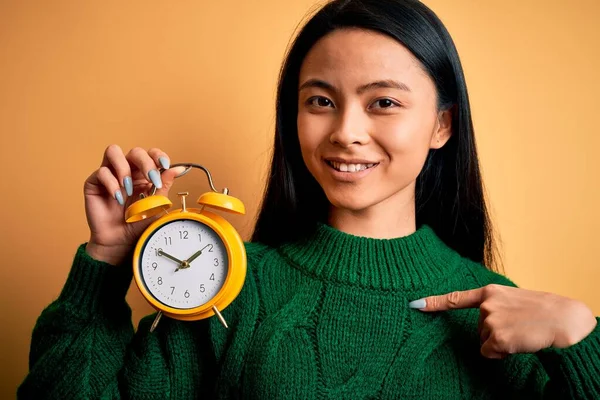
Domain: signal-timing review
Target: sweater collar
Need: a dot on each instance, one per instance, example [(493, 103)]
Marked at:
[(405, 263)]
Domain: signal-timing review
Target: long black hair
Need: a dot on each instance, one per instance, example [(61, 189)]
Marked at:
[(449, 190)]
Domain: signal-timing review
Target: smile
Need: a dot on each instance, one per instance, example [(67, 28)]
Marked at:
[(344, 167)]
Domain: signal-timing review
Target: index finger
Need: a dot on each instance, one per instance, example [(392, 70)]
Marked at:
[(450, 301)]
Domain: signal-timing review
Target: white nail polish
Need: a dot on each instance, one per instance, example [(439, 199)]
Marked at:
[(419, 304)]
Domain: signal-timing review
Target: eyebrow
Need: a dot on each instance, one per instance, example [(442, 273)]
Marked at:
[(386, 83)]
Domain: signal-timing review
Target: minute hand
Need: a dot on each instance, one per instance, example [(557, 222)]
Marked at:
[(194, 256)]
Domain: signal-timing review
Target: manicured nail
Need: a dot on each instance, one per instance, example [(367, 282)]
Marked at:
[(128, 185), (155, 178), (421, 303), (119, 197), (164, 161)]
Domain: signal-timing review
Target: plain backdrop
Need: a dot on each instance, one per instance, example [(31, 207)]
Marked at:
[(198, 79)]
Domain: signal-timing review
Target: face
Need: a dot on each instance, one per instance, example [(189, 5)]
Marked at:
[(367, 117)]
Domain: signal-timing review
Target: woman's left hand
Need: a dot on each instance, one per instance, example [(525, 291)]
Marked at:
[(514, 320)]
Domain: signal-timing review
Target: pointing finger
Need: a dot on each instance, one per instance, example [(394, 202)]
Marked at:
[(450, 301)]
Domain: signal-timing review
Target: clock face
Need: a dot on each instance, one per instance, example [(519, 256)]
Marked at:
[(184, 264)]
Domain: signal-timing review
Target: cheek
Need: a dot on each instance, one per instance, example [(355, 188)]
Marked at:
[(305, 140), (407, 146), (311, 133)]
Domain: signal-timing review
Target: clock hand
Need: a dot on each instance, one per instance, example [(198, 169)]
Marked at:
[(162, 253), (194, 256), (181, 266)]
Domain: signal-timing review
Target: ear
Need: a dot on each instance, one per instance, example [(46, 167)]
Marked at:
[(443, 129)]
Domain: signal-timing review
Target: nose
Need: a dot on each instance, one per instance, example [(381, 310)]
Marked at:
[(351, 129)]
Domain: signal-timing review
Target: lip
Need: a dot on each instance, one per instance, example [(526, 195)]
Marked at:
[(350, 161), (348, 177)]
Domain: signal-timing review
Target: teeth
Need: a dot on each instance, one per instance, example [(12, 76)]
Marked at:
[(350, 167)]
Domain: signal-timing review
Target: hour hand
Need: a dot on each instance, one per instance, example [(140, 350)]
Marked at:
[(162, 253)]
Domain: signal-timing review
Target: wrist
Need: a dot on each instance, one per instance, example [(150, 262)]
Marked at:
[(114, 255), (573, 331)]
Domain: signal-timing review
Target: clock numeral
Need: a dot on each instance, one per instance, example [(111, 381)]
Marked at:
[(168, 241), (172, 289), (183, 234), (202, 288), (186, 294), (212, 277), (154, 265), (216, 264), (210, 247), (199, 237), (159, 280), (157, 251)]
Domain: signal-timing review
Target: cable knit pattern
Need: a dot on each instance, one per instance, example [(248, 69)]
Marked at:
[(323, 318)]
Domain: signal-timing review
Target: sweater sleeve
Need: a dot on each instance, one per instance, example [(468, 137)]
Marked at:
[(574, 371), (84, 346), (570, 373), (78, 342)]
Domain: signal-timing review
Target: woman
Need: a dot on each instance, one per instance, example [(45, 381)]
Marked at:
[(373, 218)]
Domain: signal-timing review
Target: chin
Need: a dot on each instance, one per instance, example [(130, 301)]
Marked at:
[(346, 200)]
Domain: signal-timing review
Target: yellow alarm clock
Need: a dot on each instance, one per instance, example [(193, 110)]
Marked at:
[(190, 263)]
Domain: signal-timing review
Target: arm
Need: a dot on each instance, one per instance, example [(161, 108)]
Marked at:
[(574, 372), (83, 344), (84, 347), (569, 373), (79, 341)]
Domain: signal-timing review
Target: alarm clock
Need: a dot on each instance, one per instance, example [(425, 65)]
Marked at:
[(190, 263)]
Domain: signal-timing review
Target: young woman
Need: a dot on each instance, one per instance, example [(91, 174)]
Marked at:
[(371, 265)]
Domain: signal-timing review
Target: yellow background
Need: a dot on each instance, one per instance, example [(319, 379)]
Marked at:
[(197, 78)]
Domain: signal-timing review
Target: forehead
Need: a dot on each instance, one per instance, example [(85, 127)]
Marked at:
[(361, 54)]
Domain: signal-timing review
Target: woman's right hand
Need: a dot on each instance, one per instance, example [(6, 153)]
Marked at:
[(114, 186)]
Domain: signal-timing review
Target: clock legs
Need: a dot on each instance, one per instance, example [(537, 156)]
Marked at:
[(218, 313), (156, 320), (215, 309)]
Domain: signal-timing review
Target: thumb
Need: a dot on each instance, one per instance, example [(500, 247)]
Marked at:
[(490, 350), (168, 177)]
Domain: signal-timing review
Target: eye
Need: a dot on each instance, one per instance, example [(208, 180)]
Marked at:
[(319, 101), (385, 103)]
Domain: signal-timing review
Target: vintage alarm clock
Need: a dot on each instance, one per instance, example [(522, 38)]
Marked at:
[(190, 263)]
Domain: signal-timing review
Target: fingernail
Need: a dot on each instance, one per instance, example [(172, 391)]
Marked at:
[(164, 161), (119, 197), (155, 178), (180, 170), (128, 185), (421, 303)]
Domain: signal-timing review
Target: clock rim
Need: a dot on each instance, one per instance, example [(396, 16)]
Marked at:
[(236, 272)]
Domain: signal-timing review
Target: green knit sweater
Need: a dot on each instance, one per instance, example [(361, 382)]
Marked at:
[(325, 318)]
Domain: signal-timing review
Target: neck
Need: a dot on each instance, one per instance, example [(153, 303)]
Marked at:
[(391, 218)]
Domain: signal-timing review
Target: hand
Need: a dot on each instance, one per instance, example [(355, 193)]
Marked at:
[(514, 320), (162, 253), (194, 256), (110, 189)]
